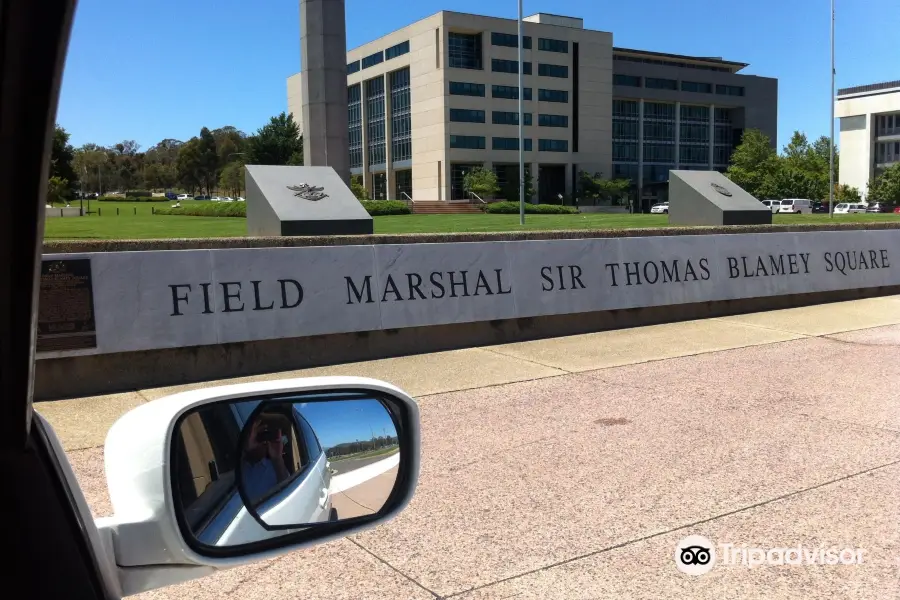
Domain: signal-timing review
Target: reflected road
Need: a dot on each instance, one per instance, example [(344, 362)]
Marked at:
[(351, 464)]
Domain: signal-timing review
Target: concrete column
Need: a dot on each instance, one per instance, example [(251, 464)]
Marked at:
[(640, 178), (364, 110), (712, 135), (677, 134), (323, 42), (388, 134)]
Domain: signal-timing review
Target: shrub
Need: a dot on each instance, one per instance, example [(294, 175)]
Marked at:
[(378, 208), (134, 199), (509, 208), (138, 194), (210, 209)]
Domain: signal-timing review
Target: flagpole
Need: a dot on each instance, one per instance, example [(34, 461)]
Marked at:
[(831, 157), (521, 130)]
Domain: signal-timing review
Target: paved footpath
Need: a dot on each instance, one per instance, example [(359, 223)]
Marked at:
[(571, 467)]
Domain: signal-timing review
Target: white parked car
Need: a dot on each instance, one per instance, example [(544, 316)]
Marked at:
[(661, 208), (773, 205), (845, 208), (217, 198), (240, 199), (184, 197), (795, 206), (227, 199)]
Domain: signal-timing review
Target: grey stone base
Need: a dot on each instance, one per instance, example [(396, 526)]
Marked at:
[(108, 373)]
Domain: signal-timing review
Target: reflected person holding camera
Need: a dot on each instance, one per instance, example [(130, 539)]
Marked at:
[(263, 467)]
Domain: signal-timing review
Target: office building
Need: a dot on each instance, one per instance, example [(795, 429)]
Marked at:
[(869, 132), (431, 101)]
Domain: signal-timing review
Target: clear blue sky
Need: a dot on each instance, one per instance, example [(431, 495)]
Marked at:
[(347, 420), (164, 69)]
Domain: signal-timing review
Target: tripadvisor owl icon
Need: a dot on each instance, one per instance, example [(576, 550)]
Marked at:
[(695, 555)]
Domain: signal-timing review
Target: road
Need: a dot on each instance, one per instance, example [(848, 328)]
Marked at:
[(570, 468), (351, 464)]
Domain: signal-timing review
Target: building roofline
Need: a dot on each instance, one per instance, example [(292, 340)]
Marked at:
[(869, 89), (704, 59)]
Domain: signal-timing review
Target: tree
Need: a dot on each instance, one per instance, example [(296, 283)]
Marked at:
[(277, 143), (232, 178), (208, 159), (481, 182), (357, 187), (230, 143), (886, 186), (57, 190), (89, 163), (752, 162), (845, 193), (61, 156), (188, 168), (595, 187)]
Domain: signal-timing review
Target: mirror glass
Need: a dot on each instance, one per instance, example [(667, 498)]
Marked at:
[(255, 468)]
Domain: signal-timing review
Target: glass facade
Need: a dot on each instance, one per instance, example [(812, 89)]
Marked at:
[(509, 66), (625, 138), (457, 176), (549, 45), (468, 142), (629, 80), (372, 60), (659, 139), (723, 142), (398, 50), (509, 143), (461, 88), (553, 121), (657, 83), (696, 86), (499, 117), (694, 136), (465, 115), (403, 184), (545, 70), (353, 67), (729, 90), (375, 120), (354, 119), (464, 50), (553, 145), (509, 91), (401, 122), (510, 40), (553, 95)]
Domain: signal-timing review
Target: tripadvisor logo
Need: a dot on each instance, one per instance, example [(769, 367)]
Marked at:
[(697, 555)]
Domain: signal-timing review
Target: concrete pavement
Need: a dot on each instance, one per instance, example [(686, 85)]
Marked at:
[(571, 467)]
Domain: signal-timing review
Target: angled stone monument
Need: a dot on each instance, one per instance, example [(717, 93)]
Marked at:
[(710, 198), (302, 201)]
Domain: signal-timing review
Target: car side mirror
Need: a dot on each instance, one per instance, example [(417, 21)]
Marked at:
[(224, 476)]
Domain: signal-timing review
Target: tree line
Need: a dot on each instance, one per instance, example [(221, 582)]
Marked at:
[(212, 160), (800, 171)]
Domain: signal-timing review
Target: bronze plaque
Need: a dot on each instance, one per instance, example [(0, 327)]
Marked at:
[(66, 306)]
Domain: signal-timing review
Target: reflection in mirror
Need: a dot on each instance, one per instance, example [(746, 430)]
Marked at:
[(252, 469)]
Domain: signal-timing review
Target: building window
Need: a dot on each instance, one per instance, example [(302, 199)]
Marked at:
[(465, 50), (509, 143), (509, 91), (509, 66), (545, 70), (659, 153), (510, 40), (354, 120), (398, 50), (500, 117), (375, 120), (553, 121), (656, 173), (695, 114), (553, 145), (625, 109), (697, 155), (657, 83), (659, 110), (670, 63), (626, 171), (468, 142), (457, 177), (464, 115), (353, 67), (625, 130), (460, 88), (401, 123), (549, 45), (625, 151), (372, 60), (629, 80), (723, 115), (729, 90), (694, 133), (696, 86), (553, 95)]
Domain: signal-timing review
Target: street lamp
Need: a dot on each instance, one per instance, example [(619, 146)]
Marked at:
[(831, 100), (521, 124)]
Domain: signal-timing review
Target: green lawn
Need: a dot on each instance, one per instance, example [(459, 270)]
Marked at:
[(147, 226)]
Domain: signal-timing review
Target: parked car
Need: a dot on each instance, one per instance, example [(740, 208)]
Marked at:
[(184, 197), (845, 208), (661, 208), (201, 197), (226, 199), (820, 207), (880, 207), (240, 199), (795, 206), (216, 198), (772, 204)]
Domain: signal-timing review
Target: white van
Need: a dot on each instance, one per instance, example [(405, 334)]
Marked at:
[(795, 206), (773, 205)]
